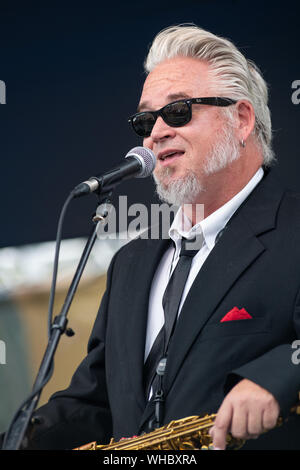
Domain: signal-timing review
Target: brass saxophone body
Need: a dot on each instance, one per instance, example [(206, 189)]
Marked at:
[(191, 433)]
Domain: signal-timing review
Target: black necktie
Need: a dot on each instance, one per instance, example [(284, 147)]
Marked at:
[(171, 303)]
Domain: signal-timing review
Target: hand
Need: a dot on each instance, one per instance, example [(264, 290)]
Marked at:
[(246, 412)]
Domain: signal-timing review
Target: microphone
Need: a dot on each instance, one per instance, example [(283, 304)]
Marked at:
[(139, 162)]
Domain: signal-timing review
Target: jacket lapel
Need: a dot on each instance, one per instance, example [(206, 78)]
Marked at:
[(135, 321)]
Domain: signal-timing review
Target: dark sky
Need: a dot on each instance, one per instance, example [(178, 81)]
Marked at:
[(73, 74)]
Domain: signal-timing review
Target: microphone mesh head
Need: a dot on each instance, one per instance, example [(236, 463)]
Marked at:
[(146, 158)]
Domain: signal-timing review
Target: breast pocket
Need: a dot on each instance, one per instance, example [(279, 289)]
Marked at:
[(251, 326)]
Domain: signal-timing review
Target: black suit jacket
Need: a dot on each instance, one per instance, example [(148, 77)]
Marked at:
[(255, 265)]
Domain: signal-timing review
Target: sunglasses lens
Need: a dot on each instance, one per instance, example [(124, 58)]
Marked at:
[(177, 114), (143, 124), (174, 114)]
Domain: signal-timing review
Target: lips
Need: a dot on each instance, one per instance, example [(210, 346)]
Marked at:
[(169, 155)]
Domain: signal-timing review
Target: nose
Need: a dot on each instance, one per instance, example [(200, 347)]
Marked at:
[(161, 131)]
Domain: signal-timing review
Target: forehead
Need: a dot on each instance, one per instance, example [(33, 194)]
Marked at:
[(178, 77)]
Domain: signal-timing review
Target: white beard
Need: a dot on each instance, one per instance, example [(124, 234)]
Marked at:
[(187, 189), (180, 191), (225, 151)]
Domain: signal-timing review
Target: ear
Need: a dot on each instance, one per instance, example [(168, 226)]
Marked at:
[(246, 119)]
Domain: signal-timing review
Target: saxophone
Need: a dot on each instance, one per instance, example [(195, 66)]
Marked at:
[(191, 433)]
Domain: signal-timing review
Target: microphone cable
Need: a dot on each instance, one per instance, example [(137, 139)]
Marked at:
[(56, 260)]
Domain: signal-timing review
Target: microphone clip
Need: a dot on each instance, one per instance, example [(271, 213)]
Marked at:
[(159, 398)]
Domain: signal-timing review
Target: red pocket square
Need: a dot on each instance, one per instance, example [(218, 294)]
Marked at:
[(236, 314)]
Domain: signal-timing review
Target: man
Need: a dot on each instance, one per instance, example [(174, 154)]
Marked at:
[(204, 113)]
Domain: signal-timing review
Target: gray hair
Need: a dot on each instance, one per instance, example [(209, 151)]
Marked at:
[(233, 75)]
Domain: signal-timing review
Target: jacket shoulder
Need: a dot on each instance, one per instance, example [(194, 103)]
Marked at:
[(290, 206)]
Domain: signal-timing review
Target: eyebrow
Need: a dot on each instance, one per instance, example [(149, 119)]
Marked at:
[(144, 105)]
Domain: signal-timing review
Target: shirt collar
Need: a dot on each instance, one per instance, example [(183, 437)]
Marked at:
[(212, 225)]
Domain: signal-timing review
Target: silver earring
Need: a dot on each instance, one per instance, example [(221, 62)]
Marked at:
[(243, 143)]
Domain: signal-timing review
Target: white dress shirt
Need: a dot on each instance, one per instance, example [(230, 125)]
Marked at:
[(208, 228)]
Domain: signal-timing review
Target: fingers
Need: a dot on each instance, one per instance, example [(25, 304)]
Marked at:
[(254, 425), (246, 412), (270, 417), (222, 425)]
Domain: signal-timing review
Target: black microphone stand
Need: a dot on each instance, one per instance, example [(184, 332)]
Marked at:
[(14, 437)]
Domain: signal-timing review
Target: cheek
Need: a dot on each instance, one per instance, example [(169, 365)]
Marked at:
[(201, 140), (148, 143)]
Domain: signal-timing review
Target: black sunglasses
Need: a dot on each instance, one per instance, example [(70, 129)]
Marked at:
[(175, 114)]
